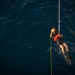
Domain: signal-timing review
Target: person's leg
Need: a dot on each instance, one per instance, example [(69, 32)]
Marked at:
[(62, 48), (59, 43), (65, 45)]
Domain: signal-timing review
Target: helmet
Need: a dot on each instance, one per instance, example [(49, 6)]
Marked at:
[(53, 30)]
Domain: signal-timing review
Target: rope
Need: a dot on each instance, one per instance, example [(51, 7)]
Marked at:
[(50, 38), (58, 16), (50, 57)]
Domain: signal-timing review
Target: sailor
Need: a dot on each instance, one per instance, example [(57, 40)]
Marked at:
[(58, 40)]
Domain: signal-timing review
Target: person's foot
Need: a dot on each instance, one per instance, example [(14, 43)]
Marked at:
[(66, 53), (65, 56)]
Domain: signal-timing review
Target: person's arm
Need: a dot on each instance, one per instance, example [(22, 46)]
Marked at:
[(50, 35), (60, 35)]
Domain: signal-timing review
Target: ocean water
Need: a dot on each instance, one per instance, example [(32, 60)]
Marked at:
[(24, 36)]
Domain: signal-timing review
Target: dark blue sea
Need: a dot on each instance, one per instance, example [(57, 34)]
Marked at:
[(24, 36)]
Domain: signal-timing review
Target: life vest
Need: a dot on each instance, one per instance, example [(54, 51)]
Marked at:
[(56, 37)]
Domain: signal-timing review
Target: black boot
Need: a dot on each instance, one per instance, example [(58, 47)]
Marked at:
[(65, 56)]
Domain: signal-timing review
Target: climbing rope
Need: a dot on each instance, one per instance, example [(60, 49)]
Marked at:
[(50, 57), (58, 16), (50, 38)]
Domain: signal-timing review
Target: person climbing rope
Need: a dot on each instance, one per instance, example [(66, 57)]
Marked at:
[(58, 40)]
